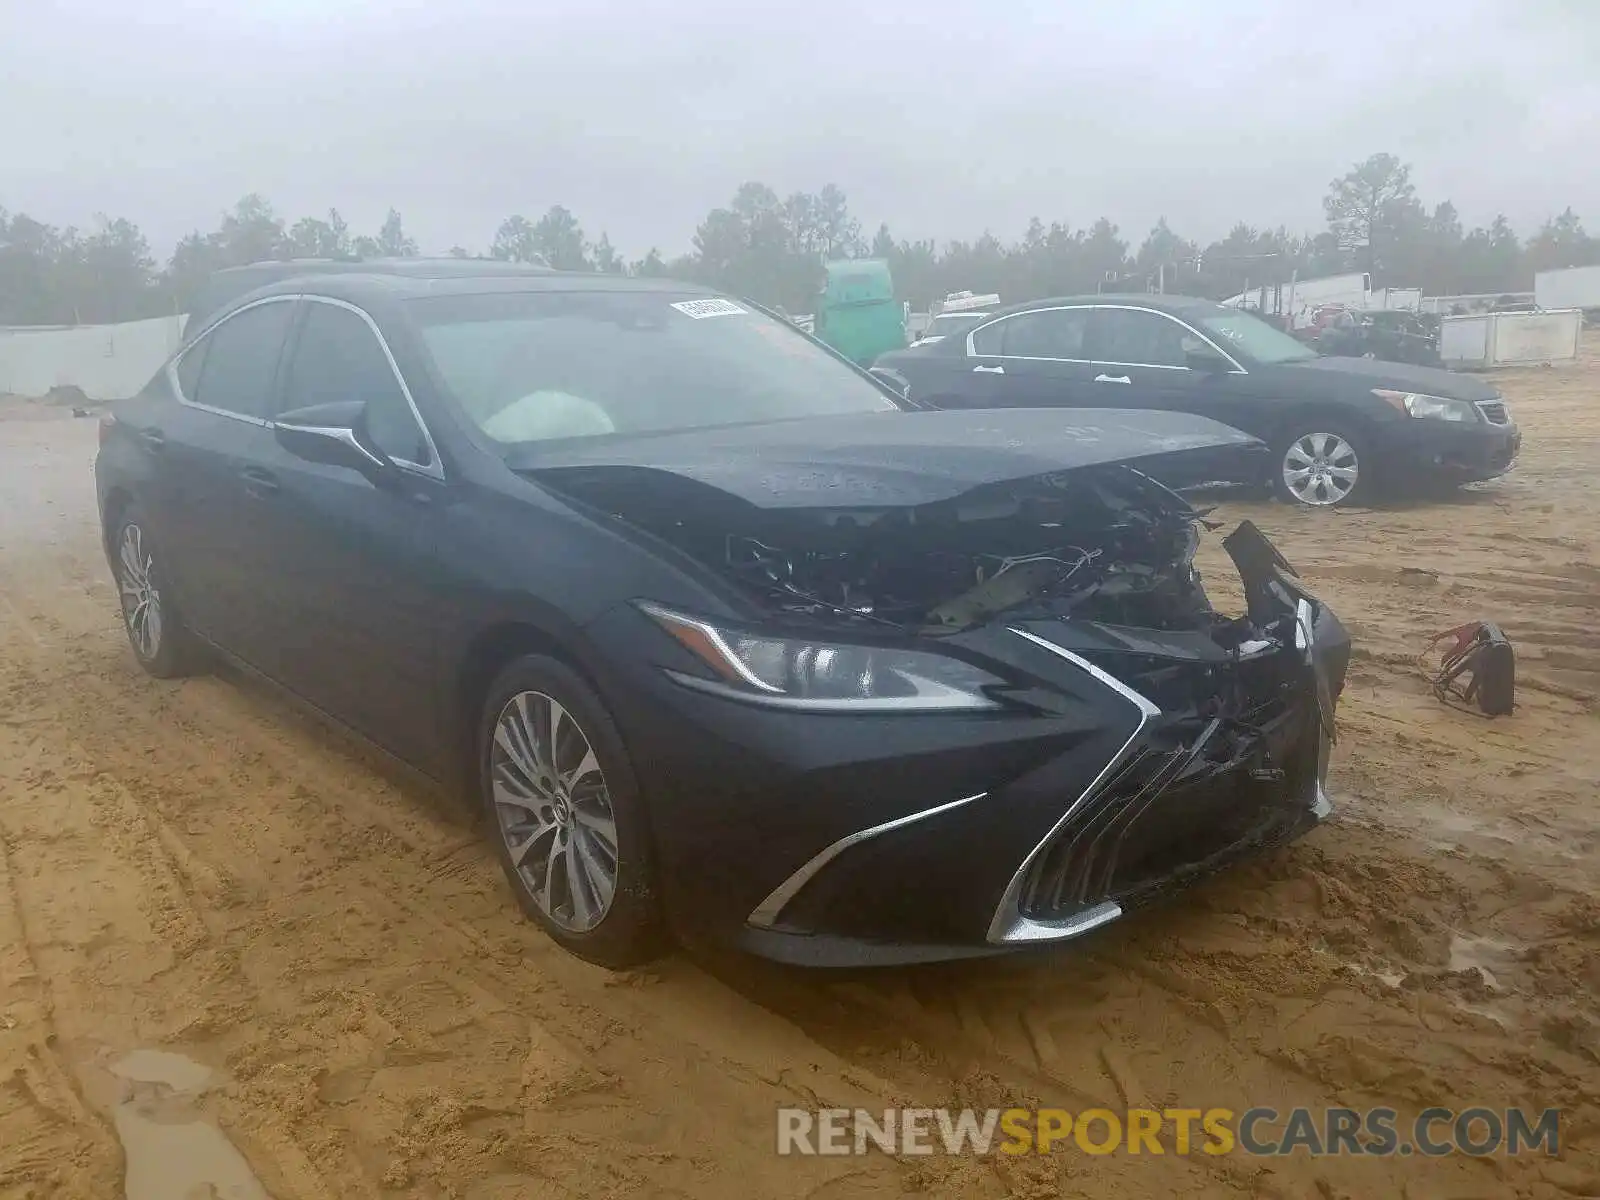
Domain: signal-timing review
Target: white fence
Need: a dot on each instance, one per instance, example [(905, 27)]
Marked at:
[(1510, 339), (108, 362)]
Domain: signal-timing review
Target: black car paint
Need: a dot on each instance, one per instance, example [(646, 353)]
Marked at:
[(386, 601), (1272, 402), (225, 287), (897, 458), (382, 591)]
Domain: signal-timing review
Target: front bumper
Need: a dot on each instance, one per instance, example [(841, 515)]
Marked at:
[(1456, 451), (1139, 763)]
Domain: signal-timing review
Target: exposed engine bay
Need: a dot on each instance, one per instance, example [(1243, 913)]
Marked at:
[(1104, 544), (1101, 557)]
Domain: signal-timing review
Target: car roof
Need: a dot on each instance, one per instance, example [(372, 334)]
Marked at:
[(417, 266), (372, 279), (1175, 305)]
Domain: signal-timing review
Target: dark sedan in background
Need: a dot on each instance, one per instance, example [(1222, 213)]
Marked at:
[(1341, 430), (1391, 335), (720, 635)]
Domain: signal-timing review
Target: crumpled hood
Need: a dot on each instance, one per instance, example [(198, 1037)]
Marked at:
[(902, 459), (1401, 377)]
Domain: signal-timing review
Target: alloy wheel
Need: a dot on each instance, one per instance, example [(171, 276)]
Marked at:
[(141, 600), (1320, 469), (554, 810)]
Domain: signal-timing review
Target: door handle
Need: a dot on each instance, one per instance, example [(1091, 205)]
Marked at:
[(1112, 379), (980, 369), (259, 482), (153, 438)]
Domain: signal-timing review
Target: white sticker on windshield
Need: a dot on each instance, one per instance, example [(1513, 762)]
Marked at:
[(700, 309)]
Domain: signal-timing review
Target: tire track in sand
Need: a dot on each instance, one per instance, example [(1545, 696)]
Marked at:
[(383, 1020)]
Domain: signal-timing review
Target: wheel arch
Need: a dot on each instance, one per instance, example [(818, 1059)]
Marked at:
[(482, 659), (117, 501), (1298, 419)]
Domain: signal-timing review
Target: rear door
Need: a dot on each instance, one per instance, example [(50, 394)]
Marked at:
[(210, 446), (1041, 359), (354, 562), (1024, 360)]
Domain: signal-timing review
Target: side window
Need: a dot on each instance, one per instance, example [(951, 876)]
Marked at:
[(338, 357), (1137, 337), (1048, 333), (189, 369), (989, 341), (240, 361)]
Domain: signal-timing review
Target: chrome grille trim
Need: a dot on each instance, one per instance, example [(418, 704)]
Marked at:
[(1008, 924), (766, 913)]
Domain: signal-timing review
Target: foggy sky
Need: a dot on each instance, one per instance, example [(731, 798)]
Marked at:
[(944, 117)]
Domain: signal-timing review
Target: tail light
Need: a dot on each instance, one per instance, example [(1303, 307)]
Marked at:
[(108, 422)]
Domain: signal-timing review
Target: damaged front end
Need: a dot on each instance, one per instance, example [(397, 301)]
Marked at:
[(1154, 739), (1228, 756), (1102, 543)]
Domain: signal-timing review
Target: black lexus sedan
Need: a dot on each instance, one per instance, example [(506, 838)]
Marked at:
[(725, 640), (1341, 430)]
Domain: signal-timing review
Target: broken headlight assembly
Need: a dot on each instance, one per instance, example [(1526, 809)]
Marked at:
[(823, 676), (1436, 408)]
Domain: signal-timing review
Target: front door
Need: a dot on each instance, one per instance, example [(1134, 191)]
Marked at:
[(354, 561), (1141, 361)]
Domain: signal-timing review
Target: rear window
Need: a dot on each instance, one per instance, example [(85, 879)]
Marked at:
[(531, 367)]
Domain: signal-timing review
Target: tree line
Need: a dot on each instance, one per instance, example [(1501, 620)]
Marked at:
[(772, 248)]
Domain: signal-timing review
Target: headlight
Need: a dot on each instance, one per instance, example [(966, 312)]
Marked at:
[(1439, 408), (819, 676)]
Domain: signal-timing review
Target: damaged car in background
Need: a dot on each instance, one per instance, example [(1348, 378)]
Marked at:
[(726, 639)]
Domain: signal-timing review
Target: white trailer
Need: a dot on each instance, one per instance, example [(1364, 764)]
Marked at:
[(1390, 299), (1298, 301), (1574, 287)]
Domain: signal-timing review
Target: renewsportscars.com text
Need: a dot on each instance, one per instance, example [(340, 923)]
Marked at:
[(1433, 1132)]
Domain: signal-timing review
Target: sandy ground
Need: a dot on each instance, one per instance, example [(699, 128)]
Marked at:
[(191, 867)]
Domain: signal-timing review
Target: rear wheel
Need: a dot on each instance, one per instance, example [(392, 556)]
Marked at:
[(160, 640), (1322, 467), (566, 814)]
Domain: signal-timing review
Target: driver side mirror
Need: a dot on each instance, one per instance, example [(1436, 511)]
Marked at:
[(332, 434), (1205, 359)]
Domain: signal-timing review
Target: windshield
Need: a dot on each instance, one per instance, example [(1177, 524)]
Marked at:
[(951, 324), (1253, 339), (530, 367)]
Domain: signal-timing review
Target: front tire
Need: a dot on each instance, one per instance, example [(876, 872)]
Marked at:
[(1324, 465), (150, 617), (566, 814)]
